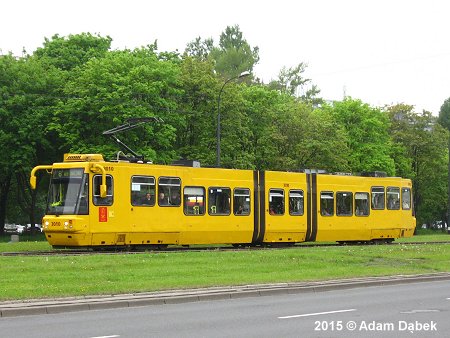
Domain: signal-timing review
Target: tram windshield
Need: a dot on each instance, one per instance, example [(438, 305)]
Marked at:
[(68, 192)]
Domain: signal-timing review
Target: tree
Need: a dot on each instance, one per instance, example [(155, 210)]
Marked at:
[(402, 130), (236, 131), (287, 134), (259, 107), (8, 72), (67, 53), (367, 133), (291, 81), (234, 54), (420, 153), (444, 114), (29, 92), (444, 121), (107, 91), (199, 49), (196, 138), (324, 143)]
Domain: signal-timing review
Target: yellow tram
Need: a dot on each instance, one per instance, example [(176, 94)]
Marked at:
[(98, 203)]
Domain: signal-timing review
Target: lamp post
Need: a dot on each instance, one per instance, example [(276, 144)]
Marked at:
[(243, 74)]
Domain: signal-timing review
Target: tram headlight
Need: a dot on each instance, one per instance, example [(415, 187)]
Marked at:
[(46, 224), (66, 225)]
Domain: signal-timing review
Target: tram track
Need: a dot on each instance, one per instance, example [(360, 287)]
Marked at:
[(127, 250)]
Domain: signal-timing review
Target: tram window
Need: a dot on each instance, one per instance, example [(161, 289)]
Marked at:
[(194, 200), (377, 198), (108, 200), (406, 199), (83, 206), (241, 201), (219, 201), (296, 202), (393, 198), (143, 191), (326, 203), (169, 191), (66, 192), (344, 203), (276, 201), (361, 204)]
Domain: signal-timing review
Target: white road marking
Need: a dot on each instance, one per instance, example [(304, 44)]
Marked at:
[(115, 336), (419, 311), (317, 314)]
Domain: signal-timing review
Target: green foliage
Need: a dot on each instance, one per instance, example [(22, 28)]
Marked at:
[(29, 90), (287, 134), (107, 91), (72, 89), (325, 143), (196, 136), (200, 49), (402, 133), (259, 104), (231, 57), (234, 54), (73, 51), (444, 121), (444, 114), (290, 79), (367, 132), (420, 153), (236, 131)]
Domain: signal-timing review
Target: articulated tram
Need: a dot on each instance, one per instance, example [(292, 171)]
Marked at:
[(98, 203)]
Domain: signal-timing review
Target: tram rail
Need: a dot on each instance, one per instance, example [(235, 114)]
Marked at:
[(176, 249)]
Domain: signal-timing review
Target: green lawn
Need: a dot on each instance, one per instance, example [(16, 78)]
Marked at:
[(427, 235), (26, 243), (38, 242), (39, 277)]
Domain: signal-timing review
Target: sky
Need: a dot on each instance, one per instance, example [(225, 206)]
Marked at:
[(380, 51)]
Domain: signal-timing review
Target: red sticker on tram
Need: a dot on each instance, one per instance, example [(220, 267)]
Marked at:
[(103, 214)]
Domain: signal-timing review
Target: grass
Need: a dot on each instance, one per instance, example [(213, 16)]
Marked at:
[(426, 235), (58, 276), (38, 237), (38, 242)]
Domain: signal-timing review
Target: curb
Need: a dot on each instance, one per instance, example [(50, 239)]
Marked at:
[(73, 304)]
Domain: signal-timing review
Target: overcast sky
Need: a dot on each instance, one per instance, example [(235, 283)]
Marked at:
[(380, 51)]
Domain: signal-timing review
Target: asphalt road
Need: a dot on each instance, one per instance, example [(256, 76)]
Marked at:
[(404, 310)]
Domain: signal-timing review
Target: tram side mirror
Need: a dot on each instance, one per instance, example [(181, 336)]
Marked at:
[(33, 182), (102, 190)]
